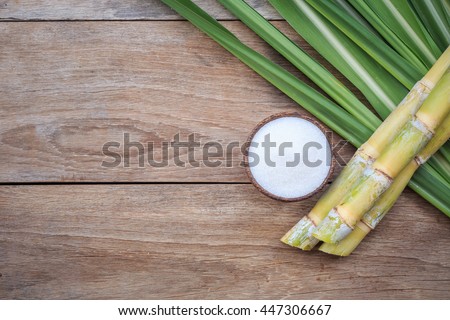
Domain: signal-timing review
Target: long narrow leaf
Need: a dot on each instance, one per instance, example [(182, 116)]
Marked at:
[(382, 90), (441, 165), (388, 34), (446, 6), (395, 64), (446, 151), (432, 14), (355, 15), (400, 18), (438, 195), (310, 67)]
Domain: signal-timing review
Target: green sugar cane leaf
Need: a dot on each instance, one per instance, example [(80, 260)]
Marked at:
[(431, 189), (389, 35), (345, 5), (375, 47), (433, 16), (441, 165), (382, 90), (446, 151), (446, 8), (398, 16), (387, 57), (438, 163), (310, 67)]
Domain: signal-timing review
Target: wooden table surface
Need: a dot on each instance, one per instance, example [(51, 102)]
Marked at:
[(75, 74)]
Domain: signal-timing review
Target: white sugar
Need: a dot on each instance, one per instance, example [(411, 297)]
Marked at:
[(302, 168)]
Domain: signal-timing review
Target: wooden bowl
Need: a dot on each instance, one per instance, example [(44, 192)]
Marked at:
[(250, 139)]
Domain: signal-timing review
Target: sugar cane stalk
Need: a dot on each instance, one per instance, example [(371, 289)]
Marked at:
[(301, 235), (414, 135), (373, 217)]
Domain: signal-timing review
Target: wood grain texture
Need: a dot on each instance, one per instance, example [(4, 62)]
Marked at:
[(68, 88), (204, 242), (111, 10)]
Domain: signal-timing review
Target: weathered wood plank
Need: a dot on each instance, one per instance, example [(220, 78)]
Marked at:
[(204, 241), (112, 10), (66, 89)]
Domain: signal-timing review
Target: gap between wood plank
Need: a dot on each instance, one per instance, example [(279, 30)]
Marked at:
[(56, 183), (114, 20)]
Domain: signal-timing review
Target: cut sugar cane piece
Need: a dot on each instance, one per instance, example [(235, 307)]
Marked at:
[(373, 217), (301, 235), (413, 137), (346, 246), (341, 220)]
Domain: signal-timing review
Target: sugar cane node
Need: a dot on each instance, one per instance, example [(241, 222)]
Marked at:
[(413, 137), (374, 216)]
